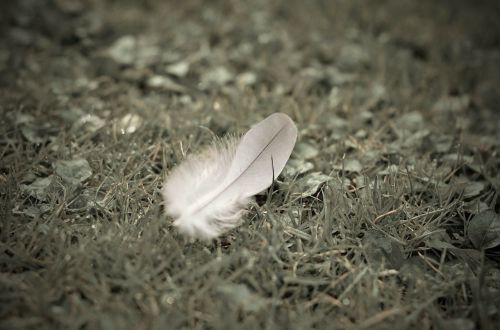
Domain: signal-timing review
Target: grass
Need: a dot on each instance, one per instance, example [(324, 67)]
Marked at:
[(404, 124)]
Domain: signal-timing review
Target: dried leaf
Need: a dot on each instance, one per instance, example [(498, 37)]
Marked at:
[(131, 50), (164, 83), (216, 77), (304, 151), (179, 69), (410, 122), (349, 165), (129, 123), (73, 171), (39, 188), (239, 295), (296, 167), (123, 50), (309, 185), (246, 79)]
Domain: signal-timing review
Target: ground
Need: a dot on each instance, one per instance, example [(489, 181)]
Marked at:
[(385, 217)]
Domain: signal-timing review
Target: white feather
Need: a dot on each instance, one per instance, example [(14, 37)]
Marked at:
[(207, 193)]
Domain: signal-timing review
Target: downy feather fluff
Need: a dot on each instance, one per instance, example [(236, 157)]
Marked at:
[(207, 193)]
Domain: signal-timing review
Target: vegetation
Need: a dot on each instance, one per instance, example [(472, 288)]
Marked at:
[(386, 216)]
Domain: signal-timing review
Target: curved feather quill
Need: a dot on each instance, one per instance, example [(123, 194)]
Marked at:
[(207, 193)]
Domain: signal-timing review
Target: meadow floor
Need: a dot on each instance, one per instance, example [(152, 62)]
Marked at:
[(387, 215)]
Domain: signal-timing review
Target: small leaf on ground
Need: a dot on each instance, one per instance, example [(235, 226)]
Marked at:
[(380, 249), (216, 77), (73, 171), (33, 211), (246, 79), (164, 83), (349, 165), (474, 188), (296, 167), (129, 123), (475, 206), (122, 50), (39, 188), (410, 122), (452, 103), (458, 324), (304, 151), (179, 69), (484, 230), (132, 50), (240, 295), (310, 184), (89, 122)]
